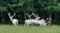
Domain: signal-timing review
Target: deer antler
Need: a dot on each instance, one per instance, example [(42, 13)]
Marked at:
[(28, 15), (9, 14), (14, 14), (35, 15)]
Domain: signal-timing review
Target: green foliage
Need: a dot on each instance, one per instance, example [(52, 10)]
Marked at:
[(48, 5), (3, 9), (37, 6), (53, 6)]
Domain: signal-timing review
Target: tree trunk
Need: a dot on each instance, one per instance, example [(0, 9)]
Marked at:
[(55, 16), (1, 16), (24, 12), (50, 19), (24, 15)]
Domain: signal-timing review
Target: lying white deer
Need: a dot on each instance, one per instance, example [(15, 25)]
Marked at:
[(14, 21), (35, 21), (42, 22)]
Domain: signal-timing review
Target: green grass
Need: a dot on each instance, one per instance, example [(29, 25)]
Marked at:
[(30, 29)]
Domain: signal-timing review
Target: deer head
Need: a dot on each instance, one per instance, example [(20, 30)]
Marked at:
[(11, 17)]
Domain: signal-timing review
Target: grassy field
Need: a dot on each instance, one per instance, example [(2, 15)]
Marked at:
[(30, 29)]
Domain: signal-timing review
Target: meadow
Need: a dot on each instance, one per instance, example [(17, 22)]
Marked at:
[(30, 29)]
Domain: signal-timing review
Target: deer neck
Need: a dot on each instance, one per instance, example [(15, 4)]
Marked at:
[(11, 18)]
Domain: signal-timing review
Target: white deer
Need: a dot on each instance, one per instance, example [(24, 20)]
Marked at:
[(14, 21), (35, 21), (42, 22)]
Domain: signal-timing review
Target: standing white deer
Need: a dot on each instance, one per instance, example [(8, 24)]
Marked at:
[(35, 21), (14, 21)]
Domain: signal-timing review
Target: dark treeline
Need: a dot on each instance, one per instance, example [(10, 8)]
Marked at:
[(44, 8)]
